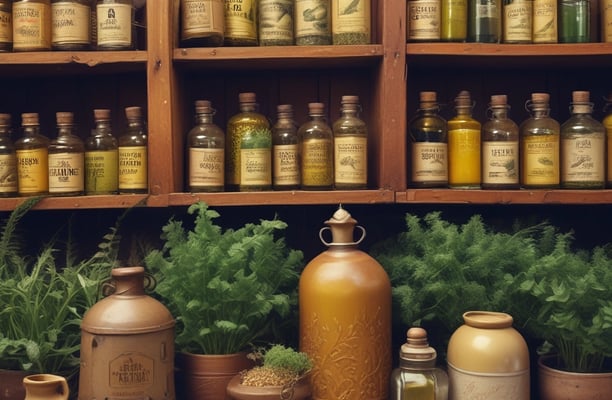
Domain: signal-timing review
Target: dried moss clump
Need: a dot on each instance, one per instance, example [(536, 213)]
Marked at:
[(281, 365)]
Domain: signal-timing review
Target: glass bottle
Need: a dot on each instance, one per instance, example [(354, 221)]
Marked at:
[(202, 23), (248, 135), (485, 21), (132, 154), (276, 22), (574, 21), (285, 150), (464, 145), (240, 23), (606, 20), (115, 25), (539, 142), (31, 25), (518, 21), (206, 151), (351, 21), (583, 146), (32, 158), (312, 22), (71, 24), (428, 144), (423, 18), (66, 159), (545, 21), (350, 146), (500, 147), (316, 139), (101, 159), (6, 25), (607, 122), (417, 376), (8, 159), (453, 20)]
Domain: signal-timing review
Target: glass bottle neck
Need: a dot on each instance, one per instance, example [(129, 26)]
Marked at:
[(350, 111), (64, 130), (30, 130), (204, 118), (464, 111), (248, 107), (499, 112), (102, 127), (581, 109)]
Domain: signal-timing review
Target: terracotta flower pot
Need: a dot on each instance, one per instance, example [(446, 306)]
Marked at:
[(556, 384), (11, 384), (238, 391)]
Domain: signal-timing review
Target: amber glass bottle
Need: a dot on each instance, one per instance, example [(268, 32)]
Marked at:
[(115, 25), (206, 150), (8, 159), (101, 159), (285, 150), (32, 158), (6, 25), (316, 139), (132, 153), (202, 23), (350, 146), (464, 145), (66, 159), (31, 25), (240, 23), (71, 24)]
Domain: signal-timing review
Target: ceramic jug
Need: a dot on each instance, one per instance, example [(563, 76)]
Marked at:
[(45, 387)]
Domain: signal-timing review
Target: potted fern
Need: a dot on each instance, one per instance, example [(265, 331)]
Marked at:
[(227, 289)]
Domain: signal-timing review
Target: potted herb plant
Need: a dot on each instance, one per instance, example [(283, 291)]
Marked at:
[(227, 289)]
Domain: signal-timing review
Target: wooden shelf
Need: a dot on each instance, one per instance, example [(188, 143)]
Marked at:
[(507, 197)]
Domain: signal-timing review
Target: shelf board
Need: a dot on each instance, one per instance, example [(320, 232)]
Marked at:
[(79, 202), (523, 196)]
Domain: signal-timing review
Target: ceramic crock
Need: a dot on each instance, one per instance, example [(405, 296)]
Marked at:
[(45, 387)]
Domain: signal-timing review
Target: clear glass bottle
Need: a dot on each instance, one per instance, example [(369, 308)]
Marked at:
[(583, 146), (316, 139), (453, 20), (350, 146), (545, 21), (428, 144), (285, 150), (607, 122), (248, 148), (66, 159), (518, 21), (132, 152), (116, 29), (500, 147), (351, 21), (31, 25), (8, 159), (574, 21), (417, 377), (206, 151), (202, 23), (32, 158), (312, 22), (101, 157), (6, 25), (71, 24), (423, 18), (240, 23), (539, 142), (275, 24), (464, 133), (485, 21)]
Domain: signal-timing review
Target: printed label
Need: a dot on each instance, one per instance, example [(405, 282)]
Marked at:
[(275, 20), (606, 11), (540, 160), (255, 167), (317, 163), (31, 26), (114, 24), (518, 21), (132, 167), (351, 160), (8, 173), (351, 16), (131, 370), (429, 162), (33, 170), (583, 159), (66, 172), (500, 162), (312, 18), (286, 164), (101, 171), (472, 385), (6, 27), (423, 20), (206, 167), (241, 19), (202, 17), (544, 21), (70, 23)]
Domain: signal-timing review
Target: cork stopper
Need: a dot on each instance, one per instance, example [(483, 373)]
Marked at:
[(540, 97), (499, 100), (134, 112), (203, 107), (29, 119), (350, 100), (316, 108), (417, 347), (64, 118), (463, 99), (284, 108), (5, 120), (101, 114), (248, 97), (428, 97), (580, 96)]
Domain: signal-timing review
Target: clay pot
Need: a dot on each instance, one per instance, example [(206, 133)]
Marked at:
[(556, 384), (11, 384), (238, 391), (45, 387)]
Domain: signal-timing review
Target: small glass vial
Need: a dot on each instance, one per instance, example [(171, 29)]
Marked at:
[(285, 150), (583, 146), (6, 25), (518, 21), (276, 26), (350, 147), (206, 152), (574, 21), (464, 145), (313, 22), (8, 159), (115, 25), (202, 23), (101, 158), (607, 122), (132, 153), (500, 147), (428, 144), (66, 159), (31, 25), (423, 18), (71, 24), (485, 21), (317, 162), (351, 22), (240, 23), (32, 158), (417, 377), (453, 20), (545, 21)]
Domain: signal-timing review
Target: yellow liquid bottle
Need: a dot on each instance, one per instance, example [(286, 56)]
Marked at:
[(32, 158), (464, 146)]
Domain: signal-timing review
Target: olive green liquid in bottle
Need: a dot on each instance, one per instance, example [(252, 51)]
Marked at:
[(6, 25), (32, 158), (31, 25), (316, 138), (206, 150), (485, 21), (8, 159), (285, 150), (101, 157), (71, 24), (132, 153), (350, 147), (453, 20), (66, 159), (464, 132)]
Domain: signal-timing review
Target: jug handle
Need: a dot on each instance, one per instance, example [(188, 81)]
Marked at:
[(65, 389), (327, 228)]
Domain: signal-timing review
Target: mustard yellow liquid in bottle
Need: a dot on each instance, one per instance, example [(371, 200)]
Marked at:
[(464, 146)]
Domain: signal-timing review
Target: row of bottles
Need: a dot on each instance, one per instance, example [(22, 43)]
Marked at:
[(509, 21), (257, 155), (66, 165), (462, 153), (274, 22)]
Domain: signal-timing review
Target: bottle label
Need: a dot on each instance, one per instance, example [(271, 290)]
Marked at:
[(114, 24), (540, 160), (6, 27), (101, 171), (518, 19), (429, 162), (130, 371), (201, 17), (544, 21), (255, 167), (33, 170), (241, 19), (464, 157), (31, 26), (317, 167), (351, 160), (206, 167), (606, 21), (474, 385), (583, 159), (132, 167), (70, 23), (66, 172), (500, 162), (8, 173), (423, 20), (351, 16), (276, 20), (286, 165), (312, 18)]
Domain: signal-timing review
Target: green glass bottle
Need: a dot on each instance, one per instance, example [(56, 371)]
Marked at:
[(574, 21), (453, 20), (485, 21)]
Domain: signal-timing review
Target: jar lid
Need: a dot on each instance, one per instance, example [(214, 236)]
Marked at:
[(416, 348)]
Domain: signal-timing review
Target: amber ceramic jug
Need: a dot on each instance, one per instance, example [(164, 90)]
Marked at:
[(488, 359), (345, 317), (45, 387), (127, 344)]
